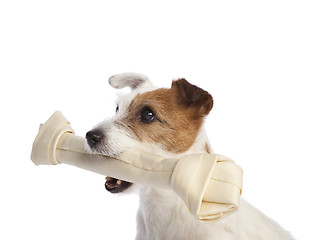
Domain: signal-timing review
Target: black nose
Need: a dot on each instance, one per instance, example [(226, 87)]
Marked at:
[(93, 137)]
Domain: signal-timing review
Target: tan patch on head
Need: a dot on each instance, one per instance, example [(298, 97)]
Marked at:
[(176, 125)]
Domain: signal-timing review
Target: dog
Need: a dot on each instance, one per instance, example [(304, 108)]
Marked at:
[(169, 122)]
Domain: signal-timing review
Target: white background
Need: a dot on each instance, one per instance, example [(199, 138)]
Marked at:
[(263, 62)]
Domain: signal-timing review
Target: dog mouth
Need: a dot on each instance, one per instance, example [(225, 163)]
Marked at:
[(114, 185), (94, 145)]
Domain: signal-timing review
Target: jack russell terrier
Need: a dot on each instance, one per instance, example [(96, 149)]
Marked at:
[(169, 122)]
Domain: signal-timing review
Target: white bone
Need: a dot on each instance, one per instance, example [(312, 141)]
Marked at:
[(209, 184)]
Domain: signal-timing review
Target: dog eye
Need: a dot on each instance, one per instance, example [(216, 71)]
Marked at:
[(117, 108), (147, 115)]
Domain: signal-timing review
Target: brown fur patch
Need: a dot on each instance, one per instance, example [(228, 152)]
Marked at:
[(176, 125)]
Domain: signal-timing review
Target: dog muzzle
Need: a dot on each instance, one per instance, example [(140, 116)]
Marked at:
[(209, 184)]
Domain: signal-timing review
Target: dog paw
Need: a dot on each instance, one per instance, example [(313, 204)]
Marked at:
[(114, 185)]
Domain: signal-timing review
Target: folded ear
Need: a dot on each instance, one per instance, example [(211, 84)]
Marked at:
[(191, 96), (132, 80)]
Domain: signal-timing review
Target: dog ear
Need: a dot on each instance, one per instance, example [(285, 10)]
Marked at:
[(132, 80), (192, 96)]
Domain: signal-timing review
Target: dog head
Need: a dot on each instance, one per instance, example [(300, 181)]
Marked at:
[(150, 118)]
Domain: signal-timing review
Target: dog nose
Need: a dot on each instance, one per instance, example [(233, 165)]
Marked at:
[(93, 137)]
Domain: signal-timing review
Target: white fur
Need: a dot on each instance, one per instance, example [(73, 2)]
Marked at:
[(162, 214), (132, 80)]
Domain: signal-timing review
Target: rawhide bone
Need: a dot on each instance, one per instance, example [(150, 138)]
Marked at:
[(209, 184)]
